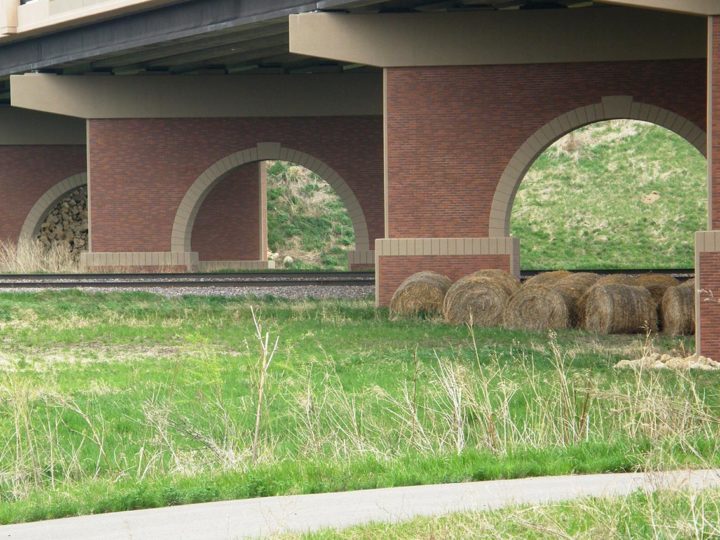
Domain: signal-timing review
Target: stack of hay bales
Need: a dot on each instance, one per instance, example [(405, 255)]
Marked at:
[(677, 309), (619, 309), (610, 304), (657, 284), (538, 307), (546, 278), (480, 298), (420, 294), (548, 301)]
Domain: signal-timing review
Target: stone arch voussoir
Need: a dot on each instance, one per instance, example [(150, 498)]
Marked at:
[(609, 108), (181, 240), (40, 210)]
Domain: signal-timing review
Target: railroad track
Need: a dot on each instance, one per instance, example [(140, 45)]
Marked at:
[(233, 280), (186, 280)]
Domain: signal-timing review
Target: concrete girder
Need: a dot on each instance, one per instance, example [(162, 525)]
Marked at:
[(20, 127), (691, 7), (500, 37), (167, 96)]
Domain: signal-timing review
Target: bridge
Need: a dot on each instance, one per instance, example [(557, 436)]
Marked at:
[(424, 115)]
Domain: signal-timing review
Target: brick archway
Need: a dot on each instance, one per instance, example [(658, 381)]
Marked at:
[(181, 240), (45, 204), (609, 108)]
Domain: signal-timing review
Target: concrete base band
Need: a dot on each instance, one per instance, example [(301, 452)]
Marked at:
[(156, 261), (213, 266), (361, 259), (398, 258), (707, 293)]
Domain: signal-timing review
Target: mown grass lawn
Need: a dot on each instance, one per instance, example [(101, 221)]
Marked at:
[(119, 401)]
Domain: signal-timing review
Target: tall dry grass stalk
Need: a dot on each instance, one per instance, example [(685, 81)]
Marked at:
[(31, 256)]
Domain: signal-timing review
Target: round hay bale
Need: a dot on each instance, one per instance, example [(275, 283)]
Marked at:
[(619, 309), (420, 294), (538, 308), (677, 311), (477, 300), (510, 282), (657, 284), (689, 283), (546, 278), (617, 279), (573, 288)]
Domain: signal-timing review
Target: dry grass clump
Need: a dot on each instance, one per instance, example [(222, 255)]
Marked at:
[(538, 307), (420, 294), (657, 284), (508, 281), (546, 278), (478, 300), (677, 310), (32, 256), (619, 309), (617, 279)]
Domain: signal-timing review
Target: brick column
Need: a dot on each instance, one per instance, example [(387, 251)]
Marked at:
[(459, 139), (707, 243)]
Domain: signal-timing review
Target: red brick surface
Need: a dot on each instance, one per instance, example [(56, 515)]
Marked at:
[(452, 130), (709, 285), (715, 149), (141, 168), (228, 223), (392, 271), (27, 172)]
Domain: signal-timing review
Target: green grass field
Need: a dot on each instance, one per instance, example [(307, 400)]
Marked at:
[(122, 401)]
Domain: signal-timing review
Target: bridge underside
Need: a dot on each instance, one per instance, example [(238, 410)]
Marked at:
[(425, 141)]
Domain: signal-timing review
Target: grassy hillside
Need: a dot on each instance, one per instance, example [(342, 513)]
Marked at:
[(307, 221), (617, 194)]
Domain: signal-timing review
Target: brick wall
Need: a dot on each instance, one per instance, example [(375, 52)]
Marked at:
[(140, 169), (708, 283), (27, 172), (715, 135), (392, 271), (227, 227), (452, 130)]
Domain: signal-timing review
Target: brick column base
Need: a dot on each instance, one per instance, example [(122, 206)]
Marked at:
[(213, 266), (159, 261), (398, 258), (361, 259), (707, 293)]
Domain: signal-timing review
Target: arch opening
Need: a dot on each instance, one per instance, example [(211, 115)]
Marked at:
[(201, 189), (614, 194), (46, 203)]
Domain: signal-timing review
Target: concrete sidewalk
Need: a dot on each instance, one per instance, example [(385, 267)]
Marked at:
[(261, 517)]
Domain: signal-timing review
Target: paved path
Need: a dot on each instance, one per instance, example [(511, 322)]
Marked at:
[(260, 517)]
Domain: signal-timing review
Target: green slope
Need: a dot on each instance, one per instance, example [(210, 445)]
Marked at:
[(618, 194), (307, 221)]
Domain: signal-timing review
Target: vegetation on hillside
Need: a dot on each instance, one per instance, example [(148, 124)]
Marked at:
[(617, 194), (307, 221)]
